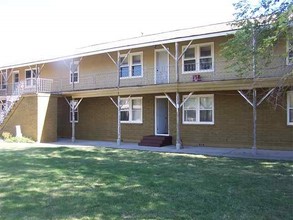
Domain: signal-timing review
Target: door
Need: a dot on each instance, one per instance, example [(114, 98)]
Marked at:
[(161, 66), (162, 116), (16, 81)]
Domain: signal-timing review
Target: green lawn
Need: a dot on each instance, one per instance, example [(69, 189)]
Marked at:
[(79, 183)]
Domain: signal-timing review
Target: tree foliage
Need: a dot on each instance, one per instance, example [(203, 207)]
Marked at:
[(259, 30)]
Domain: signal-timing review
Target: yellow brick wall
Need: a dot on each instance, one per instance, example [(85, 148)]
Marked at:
[(232, 128)]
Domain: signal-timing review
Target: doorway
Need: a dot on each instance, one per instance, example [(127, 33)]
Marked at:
[(161, 66), (161, 116)]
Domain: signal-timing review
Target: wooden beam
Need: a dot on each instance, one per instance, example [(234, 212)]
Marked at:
[(263, 98), (170, 100), (244, 96), (113, 102), (185, 49), (168, 51), (182, 103)]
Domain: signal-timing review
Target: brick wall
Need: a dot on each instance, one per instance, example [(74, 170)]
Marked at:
[(232, 128)]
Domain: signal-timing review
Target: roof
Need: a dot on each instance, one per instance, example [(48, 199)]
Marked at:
[(195, 33)]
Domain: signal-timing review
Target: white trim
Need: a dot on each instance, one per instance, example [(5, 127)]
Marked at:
[(197, 122), (3, 76), (289, 94), (130, 111), (197, 58), (162, 97), (32, 78), (155, 62), (76, 62), (130, 64)]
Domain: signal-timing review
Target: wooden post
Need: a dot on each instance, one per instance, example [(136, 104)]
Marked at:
[(118, 101), (254, 106), (72, 105), (178, 134), (254, 99)]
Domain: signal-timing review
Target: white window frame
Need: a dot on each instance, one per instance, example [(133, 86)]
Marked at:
[(72, 73), (289, 61), (32, 77), (3, 83), (197, 57), (197, 121), (75, 111), (289, 94), (130, 121), (130, 64)]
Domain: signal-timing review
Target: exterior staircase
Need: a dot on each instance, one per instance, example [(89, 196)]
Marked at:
[(8, 106), (155, 141)]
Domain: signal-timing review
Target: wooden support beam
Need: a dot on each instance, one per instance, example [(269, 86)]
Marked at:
[(244, 96), (266, 95), (170, 100), (182, 103), (168, 51), (114, 102), (185, 49)]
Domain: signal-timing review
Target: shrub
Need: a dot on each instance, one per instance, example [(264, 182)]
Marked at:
[(6, 135), (19, 140)]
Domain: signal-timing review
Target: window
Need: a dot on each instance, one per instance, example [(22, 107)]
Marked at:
[(290, 52), (30, 77), (74, 72), (290, 108), (198, 109), (198, 58), (131, 66), (131, 110), (76, 115), (3, 83)]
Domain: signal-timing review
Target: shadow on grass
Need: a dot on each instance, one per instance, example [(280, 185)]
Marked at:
[(72, 183)]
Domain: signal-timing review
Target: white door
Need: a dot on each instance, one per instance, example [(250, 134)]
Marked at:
[(161, 66), (162, 116)]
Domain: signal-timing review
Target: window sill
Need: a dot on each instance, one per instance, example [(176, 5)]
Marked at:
[(131, 77), (131, 122), (202, 71), (198, 123)]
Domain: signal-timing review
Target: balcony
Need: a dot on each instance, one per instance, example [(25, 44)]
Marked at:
[(164, 75), (26, 87)]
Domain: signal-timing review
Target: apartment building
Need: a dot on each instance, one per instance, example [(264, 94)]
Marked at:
[(173, 84)]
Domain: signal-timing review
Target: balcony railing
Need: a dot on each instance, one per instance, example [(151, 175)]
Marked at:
[(161, 75), (26, 87)]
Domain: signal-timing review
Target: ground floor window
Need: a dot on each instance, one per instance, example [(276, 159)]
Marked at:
[(290, 107), (198, 109), (76, 115), (131, 110)]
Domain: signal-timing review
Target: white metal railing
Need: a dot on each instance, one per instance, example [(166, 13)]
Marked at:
[(27, 86), (160, 75), (13, 92)]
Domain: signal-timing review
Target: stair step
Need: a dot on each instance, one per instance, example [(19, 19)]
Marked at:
[(155, 141)]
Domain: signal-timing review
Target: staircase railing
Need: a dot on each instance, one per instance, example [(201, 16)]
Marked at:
[(13, 93)]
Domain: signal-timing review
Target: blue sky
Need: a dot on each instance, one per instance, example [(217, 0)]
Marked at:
[(50, 26)]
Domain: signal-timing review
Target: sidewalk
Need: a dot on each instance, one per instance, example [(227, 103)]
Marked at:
[(208, 151)]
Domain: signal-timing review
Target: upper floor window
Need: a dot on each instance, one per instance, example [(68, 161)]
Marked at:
[(74, 72), (3, 83), (290, 108), (290, 52), (131, 110), (131, 66), (30, 77), (198, 109), (198, 58)]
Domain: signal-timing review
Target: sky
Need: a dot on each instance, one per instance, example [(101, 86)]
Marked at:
[(30, 28)]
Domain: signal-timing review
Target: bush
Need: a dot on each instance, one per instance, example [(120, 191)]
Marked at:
[(10, 139), (19, 140), (6, 135)]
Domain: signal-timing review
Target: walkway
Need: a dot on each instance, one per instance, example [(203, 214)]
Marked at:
[(208, 151)]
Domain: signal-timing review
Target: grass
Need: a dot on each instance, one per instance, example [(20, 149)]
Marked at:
[(88, 183)]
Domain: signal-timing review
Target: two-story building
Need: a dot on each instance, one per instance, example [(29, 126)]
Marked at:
[(169, 84)]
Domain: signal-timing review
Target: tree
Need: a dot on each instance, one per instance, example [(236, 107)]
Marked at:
[(260, 29)]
